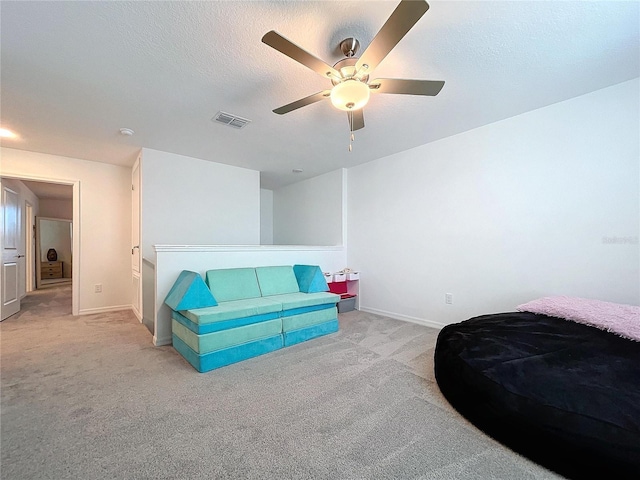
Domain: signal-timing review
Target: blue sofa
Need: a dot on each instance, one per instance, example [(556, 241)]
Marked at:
[(244, 312)]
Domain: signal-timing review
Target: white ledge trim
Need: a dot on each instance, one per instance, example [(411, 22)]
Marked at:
[(246, 248)]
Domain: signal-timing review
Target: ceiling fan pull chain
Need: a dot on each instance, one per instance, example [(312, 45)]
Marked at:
[(351, 136)]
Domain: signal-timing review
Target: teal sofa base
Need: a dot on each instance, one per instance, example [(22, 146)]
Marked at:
[(307, 333), (221, 358)]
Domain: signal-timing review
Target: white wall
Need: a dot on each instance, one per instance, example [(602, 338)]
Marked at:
[(149, 295), (56, 234), (186, 200), (24, 195), (105, 222), (310, 212), (56, 208), (266, 217), (545, 203)]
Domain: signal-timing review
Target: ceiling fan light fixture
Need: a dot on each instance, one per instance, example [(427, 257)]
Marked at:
[(350, 95)]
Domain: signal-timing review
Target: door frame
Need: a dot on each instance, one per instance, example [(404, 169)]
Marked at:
[(136, 268), (75, 247), (29, 220)]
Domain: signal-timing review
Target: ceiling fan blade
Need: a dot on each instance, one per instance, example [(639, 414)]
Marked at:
[(406, 87), (303, 102), (357, 117), (290, 49), (405, 16)]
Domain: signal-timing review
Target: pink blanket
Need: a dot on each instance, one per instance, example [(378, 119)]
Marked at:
[(623, 320)]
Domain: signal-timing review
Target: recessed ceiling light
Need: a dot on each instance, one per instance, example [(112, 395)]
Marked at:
[(4, 133), (126, 131), (297, 170)]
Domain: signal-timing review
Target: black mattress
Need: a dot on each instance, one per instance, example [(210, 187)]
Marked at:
[(564, 394)]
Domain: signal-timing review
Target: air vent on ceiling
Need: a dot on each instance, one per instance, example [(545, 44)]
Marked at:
[(230, 120)]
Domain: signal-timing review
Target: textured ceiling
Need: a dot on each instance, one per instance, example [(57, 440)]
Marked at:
[(55, 191), (73, 73)]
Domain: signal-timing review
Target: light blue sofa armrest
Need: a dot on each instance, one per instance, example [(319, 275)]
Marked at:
[(189, 291), (310, 279)]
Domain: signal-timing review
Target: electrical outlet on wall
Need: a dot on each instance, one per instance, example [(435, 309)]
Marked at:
[(448, 298), (98, 288)]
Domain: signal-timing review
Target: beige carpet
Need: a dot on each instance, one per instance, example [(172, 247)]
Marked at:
[(90, 397)]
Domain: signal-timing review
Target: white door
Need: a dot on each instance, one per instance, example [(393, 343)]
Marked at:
[(11, 254), (136, 258)]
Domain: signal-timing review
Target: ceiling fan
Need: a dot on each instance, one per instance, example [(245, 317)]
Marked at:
[(350, 76)]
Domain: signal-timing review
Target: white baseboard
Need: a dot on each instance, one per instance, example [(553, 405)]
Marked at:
[(116, 308), (159, 342), (404, 318)]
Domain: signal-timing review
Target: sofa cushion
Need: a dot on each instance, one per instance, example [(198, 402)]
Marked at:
[(277, 280), (229, 284), (307, 333), (310, 318), (310, 278), (297, 300), (201, 329), (227, 356), (189, 291), (211, 342), (232, 310)]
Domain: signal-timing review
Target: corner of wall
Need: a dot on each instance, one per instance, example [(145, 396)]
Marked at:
[(345, 210)]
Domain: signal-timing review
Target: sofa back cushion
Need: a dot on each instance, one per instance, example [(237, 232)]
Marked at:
[(276, 280), (231, 284)]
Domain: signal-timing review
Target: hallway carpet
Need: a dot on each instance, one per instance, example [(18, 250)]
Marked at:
[(90, 397)]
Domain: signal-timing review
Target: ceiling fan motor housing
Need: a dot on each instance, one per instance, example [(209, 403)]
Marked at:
[(347, 69)]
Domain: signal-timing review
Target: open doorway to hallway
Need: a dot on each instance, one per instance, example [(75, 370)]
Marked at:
[(42, 215), (53, 245)]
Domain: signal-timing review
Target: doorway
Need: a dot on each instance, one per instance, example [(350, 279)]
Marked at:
[(42, 187)]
